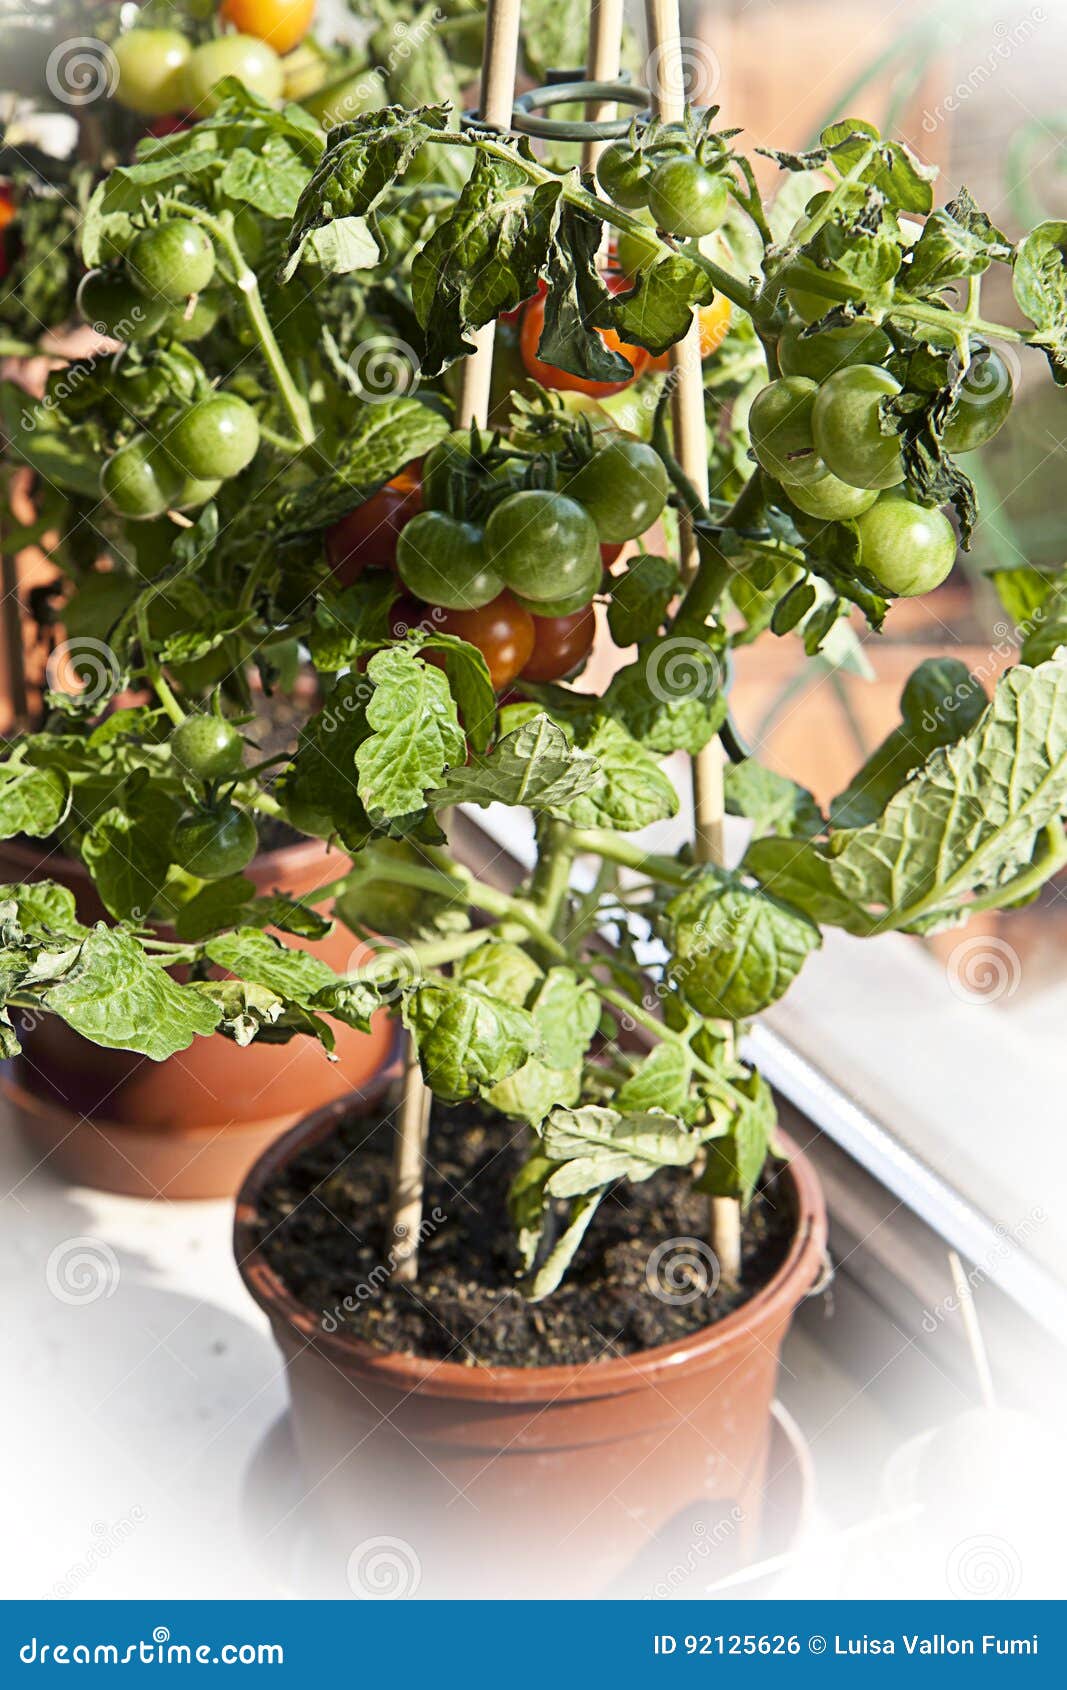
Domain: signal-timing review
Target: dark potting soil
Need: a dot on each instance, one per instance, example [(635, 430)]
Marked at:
[(322, 1227)]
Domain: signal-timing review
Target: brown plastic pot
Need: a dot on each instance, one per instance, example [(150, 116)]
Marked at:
[(567, 1472), (190, 1126)]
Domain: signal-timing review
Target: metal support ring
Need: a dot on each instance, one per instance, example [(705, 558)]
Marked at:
[(572, 93)]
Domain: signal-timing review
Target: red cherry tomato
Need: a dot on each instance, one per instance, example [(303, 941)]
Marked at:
[(366, 538), (502, 631), (560, 644), (533, 321), (172, 124), (611, 552)]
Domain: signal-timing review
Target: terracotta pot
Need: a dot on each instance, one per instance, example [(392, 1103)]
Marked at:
[(560, 1475), (190, 1126)]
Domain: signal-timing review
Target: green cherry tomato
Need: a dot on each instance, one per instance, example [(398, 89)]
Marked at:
[(543, 545), (151, 63), (207, 747), (809, 306), (193, 493), (351, 97), (186, 326), (909, 548), (624, 488), (983, 405), (216, 437), (819, 355), (445, 463), (171, 260), (442, 561), (624, 175), (138, 480), (780, 428), (831, 499), (109, 301), (847, 431), (687, 199), (215, 843), (582, 596), (252, 62)]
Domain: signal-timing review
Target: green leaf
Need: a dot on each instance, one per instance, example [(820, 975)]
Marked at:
[(351, 623), (32, 801), (45, 905), (1039, 282), (468, 676), (631, 790), (575, 299), (735, 1160), (63, 456), (128, 848), (320, 789), (640, 597), (670, 698), (117, 998), (968, 821), (381, 439), (341, 247), (957, 240), (534, 1089), (504, 969), (594, 1146), (466, 1039), (567, 1012), (217, 904), (536, 765), (941, 701), (661, 1082), (771, 802), (361, 161), (659, 308), (483, 259), (904, 180), (415, 735), (734, 949), (548, 1275), (257, 957)]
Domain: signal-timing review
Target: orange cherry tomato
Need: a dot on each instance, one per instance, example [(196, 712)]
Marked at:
[(533, 322), (8, 213), (714, 321), (366, 538), (560, 644), (281, 23)]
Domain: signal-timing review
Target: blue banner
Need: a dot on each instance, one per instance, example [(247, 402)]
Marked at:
[(524, 1646)]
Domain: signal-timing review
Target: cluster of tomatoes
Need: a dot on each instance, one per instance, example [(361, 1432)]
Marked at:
[(818, 431), (162, 72), (217, 838), (676, 175), (509, 566), (204, 437)]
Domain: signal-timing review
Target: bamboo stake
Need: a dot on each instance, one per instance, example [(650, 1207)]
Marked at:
[(602, 64), (691, 451), (499, 69)]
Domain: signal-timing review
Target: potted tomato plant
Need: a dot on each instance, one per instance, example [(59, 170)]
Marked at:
[(576, 1347)]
